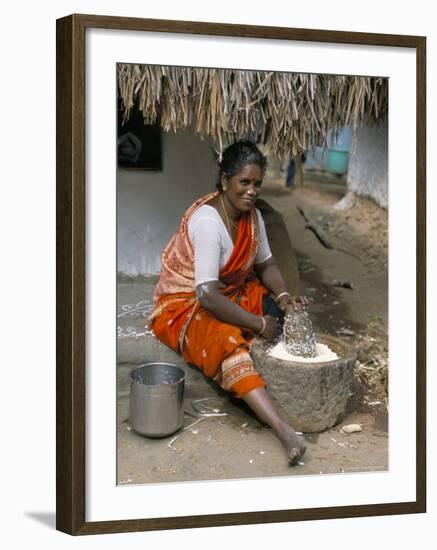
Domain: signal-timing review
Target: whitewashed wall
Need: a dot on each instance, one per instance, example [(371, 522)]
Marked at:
[(150, 204), (368, 163)]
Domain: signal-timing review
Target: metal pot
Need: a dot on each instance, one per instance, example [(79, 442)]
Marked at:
[(156, 399)]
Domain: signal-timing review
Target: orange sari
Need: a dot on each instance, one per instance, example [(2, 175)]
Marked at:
[(219, 349)]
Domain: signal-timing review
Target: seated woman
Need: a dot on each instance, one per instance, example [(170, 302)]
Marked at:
[(217, 272)]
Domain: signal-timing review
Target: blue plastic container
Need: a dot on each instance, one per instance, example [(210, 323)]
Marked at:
[(338, 160)]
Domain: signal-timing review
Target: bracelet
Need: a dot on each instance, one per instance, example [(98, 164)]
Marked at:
[(263, 328), (282, 294)]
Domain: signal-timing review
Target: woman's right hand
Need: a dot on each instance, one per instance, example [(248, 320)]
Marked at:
[(273, 328)]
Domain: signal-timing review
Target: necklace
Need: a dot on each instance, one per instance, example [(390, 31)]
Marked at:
[(228, 221)]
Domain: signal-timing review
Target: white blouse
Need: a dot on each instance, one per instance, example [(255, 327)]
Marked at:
[(213, 245)]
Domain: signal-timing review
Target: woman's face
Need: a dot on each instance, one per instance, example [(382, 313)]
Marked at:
[(243, 188)]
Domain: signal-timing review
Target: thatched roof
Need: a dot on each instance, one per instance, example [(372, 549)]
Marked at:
[(284, 111)]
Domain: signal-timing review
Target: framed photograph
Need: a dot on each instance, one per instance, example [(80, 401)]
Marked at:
[(306, 151)]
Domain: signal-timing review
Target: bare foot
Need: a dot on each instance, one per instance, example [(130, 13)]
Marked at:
[(261, 404), (293, 444)]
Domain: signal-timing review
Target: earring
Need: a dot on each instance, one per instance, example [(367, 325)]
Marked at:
[(225, 189)]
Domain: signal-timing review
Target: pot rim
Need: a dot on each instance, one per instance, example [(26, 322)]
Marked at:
[(181, 380)]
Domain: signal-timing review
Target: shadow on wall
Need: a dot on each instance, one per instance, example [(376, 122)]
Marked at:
[(46, 518)]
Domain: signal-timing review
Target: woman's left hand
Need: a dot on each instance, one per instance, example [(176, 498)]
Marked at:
[(299, 303)]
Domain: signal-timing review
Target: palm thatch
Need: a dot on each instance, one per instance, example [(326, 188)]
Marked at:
[(287, 112)]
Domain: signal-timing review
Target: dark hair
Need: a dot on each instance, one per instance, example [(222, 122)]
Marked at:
[(236, 156)]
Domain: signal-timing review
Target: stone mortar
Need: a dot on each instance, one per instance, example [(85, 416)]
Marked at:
[(312, 397)]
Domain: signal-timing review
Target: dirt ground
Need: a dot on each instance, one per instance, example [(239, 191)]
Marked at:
[(236, 445)]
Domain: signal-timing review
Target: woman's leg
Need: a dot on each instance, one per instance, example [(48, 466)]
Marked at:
[(261, 404)]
